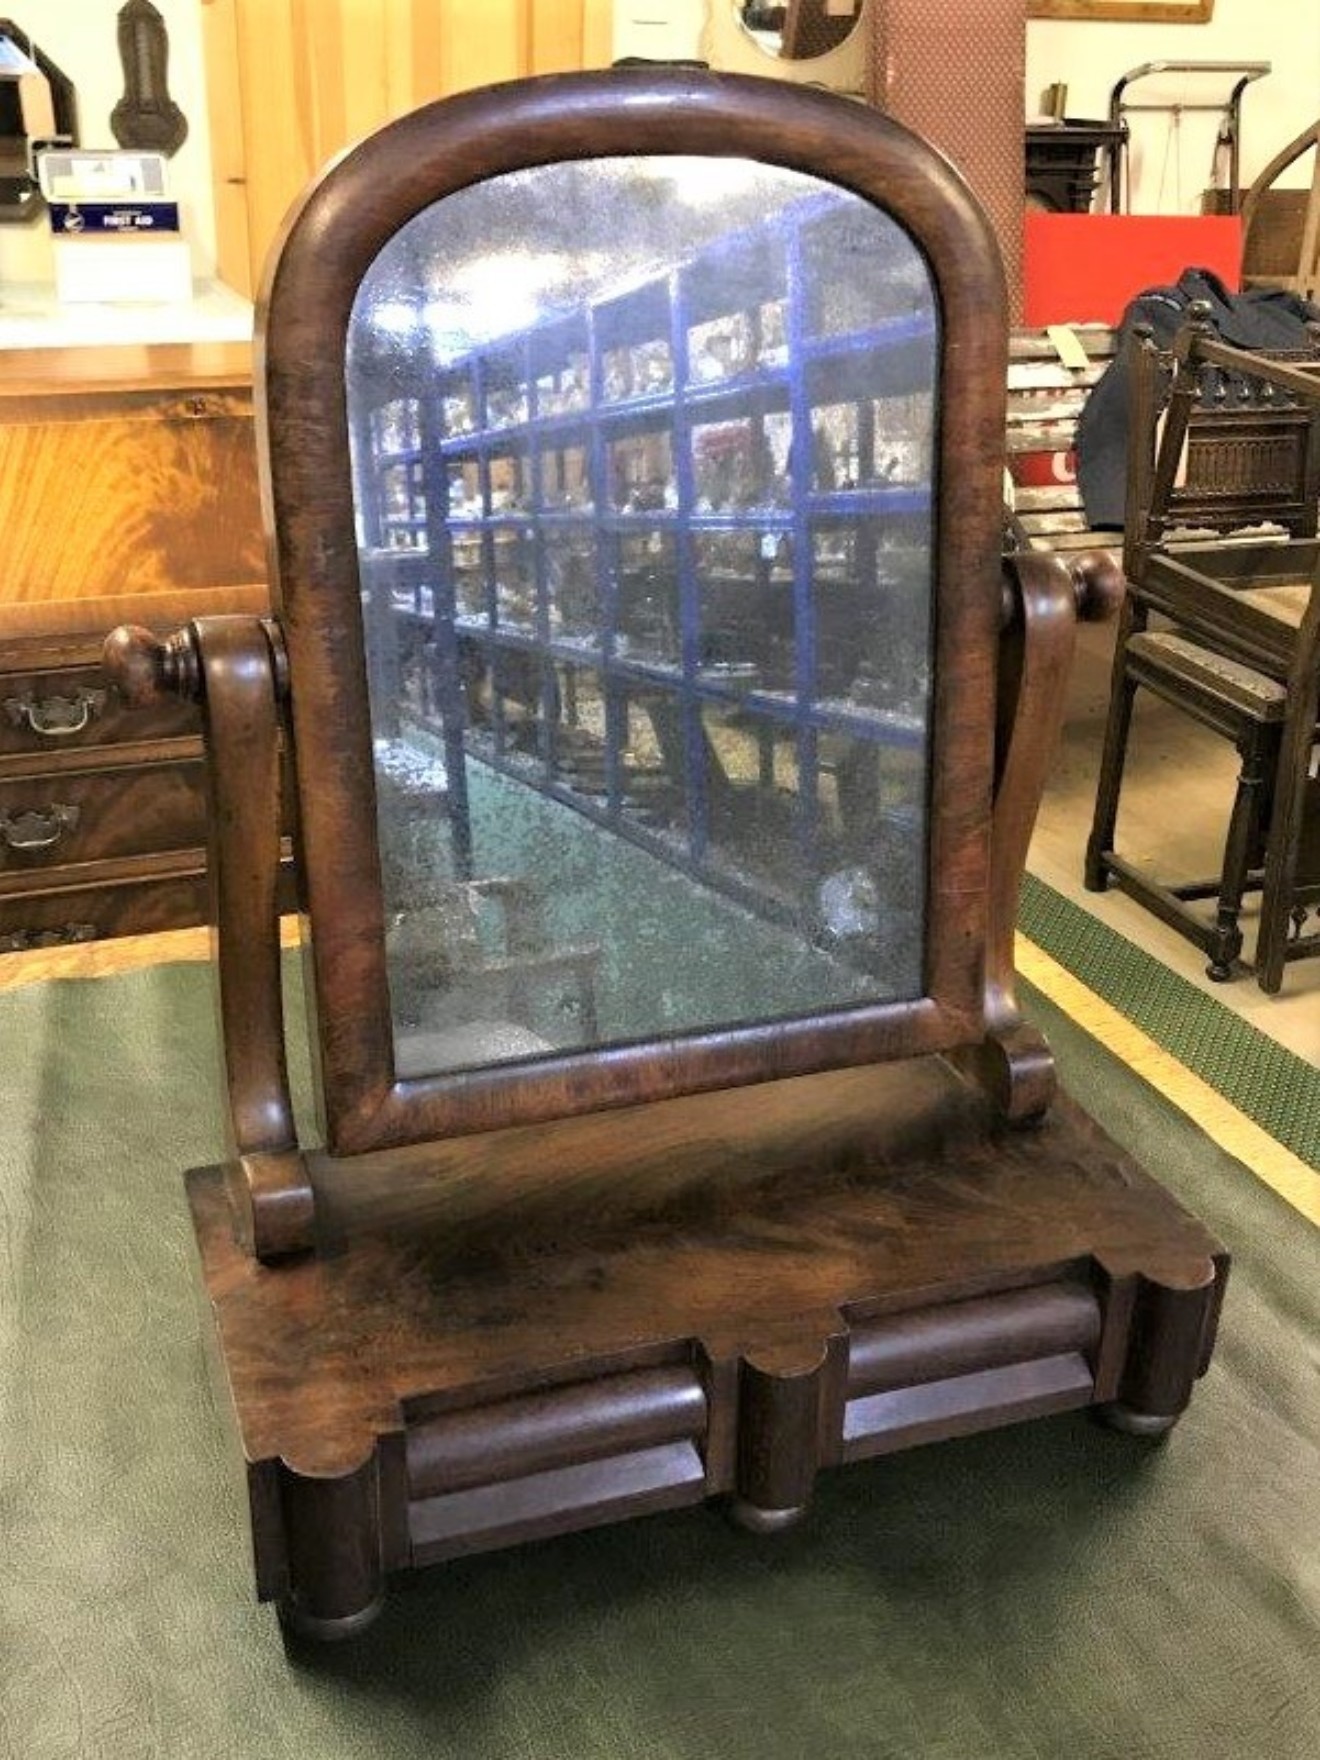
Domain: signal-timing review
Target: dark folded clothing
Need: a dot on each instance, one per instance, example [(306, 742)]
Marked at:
[(1261, 318)]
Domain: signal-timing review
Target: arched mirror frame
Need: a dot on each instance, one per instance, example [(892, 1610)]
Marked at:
[(330, 242)]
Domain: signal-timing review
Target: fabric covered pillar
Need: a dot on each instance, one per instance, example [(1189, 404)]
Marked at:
[(953, 70)]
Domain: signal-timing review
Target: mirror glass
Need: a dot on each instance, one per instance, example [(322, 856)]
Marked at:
[(797, 30), (643, 461)]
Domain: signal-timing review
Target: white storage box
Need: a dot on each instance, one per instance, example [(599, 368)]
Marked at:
[(110, 270)]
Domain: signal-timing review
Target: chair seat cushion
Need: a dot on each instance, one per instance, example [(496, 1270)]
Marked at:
[(1201, 669)]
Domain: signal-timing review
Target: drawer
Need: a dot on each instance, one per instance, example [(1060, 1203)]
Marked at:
[(133, 904), (69, 708), (135, 896), (73, 816)]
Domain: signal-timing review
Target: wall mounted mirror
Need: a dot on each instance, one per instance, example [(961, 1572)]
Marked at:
[(820, 42), (800, 30)]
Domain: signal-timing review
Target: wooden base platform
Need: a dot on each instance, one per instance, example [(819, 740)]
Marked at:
[(769, 1282)]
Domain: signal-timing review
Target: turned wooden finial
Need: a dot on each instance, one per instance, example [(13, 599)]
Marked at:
[(1099, 585), (145, 669)]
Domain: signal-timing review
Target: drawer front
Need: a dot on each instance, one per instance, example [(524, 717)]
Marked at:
[(135, 907), (71, 708), (50, 822), (136, 897)]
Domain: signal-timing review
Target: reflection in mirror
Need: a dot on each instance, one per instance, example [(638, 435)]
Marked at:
[(797, 30), (643, 460)]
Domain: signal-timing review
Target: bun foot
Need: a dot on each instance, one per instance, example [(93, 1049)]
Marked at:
[(328, 1630), (764, 1521), (1133, 1423)]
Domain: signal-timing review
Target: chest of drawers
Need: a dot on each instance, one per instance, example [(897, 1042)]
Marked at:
[(128, 493), (102, 809)]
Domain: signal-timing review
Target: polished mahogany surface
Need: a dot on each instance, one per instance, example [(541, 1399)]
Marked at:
[(667, 729)]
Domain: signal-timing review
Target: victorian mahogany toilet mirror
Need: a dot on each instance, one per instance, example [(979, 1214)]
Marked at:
[(665, 736)]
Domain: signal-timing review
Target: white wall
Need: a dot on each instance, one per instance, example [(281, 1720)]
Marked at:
[(658, 29), (1089, 57), (1169, 167), (80, 36)]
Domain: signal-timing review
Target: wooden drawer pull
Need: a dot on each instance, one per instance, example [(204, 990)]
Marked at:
[(55, 717), (37, 831)]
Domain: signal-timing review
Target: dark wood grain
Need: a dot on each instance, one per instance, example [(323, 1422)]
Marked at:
[(1043, 599), (230, 666), (133, 858), (933, 1272), (1291, 883), (121, 808), (539, 1432), (125, 896)]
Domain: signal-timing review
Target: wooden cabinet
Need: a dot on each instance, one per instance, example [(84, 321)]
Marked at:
[(291, 85), (127, 470), (128, 492)]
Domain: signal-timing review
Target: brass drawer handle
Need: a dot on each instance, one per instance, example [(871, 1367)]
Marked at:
[(35, 831), (24, 940), (206, 406), (55, 717)]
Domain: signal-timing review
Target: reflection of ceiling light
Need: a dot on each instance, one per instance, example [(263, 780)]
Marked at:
[(396, 317), (448, 327), (459, 323), (703, 181), (533, 274), (616, 221), (502, 291)]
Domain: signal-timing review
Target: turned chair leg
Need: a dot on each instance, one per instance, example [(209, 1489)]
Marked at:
[(1284, 840), (1118, 728), (1256, 748), (1104, 822)]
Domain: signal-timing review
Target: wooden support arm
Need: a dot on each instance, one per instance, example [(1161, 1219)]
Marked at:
[(233, 667), (1043, 599)]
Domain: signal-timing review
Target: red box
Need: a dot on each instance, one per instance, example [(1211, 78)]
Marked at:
[(1084, 268)]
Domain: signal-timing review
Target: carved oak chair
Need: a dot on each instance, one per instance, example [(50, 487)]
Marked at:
[(786, 1211), (1224, 443), (1281, 227)]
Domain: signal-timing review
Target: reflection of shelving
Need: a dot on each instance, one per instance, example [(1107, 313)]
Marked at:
[(680, 574)]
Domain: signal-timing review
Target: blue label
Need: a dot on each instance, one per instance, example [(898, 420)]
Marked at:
[(72, 218)]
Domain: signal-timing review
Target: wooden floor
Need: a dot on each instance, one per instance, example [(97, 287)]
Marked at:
[(126, 953), (1176, 797)]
